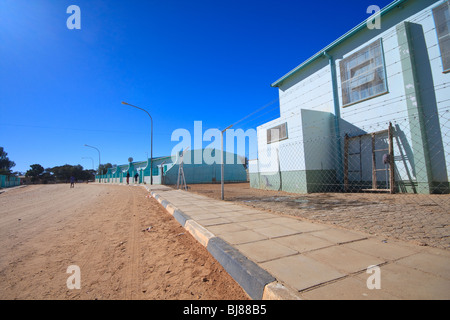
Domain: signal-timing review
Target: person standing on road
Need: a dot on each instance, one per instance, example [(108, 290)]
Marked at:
[(128, 177), (72, 182), (136, 176)]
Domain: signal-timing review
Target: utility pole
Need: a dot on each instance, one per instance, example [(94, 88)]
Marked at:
[(99, 162), (222, 165), (151, 151)]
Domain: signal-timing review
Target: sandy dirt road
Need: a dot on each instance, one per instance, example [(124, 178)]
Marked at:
[(101, 229)]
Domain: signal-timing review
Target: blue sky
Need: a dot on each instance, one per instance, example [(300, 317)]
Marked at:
[(184, 61)]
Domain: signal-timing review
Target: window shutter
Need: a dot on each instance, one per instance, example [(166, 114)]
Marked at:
[(363, 74), (277, 133), (441, 16)]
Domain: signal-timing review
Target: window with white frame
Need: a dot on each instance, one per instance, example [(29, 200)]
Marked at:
[(363, 74), (441, 16), (277, 133)]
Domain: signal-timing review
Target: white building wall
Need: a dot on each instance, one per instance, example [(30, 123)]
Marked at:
[(313, 92)]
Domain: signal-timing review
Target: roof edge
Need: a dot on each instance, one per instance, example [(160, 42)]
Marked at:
[(383, 11)]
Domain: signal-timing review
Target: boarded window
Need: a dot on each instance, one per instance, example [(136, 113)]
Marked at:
[(277, 133), (363, 74), (441, 16)]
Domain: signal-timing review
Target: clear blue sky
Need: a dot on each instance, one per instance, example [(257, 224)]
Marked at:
[(205, 60)]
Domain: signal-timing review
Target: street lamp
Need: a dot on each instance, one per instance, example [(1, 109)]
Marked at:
[(99, 178), (151, 151)]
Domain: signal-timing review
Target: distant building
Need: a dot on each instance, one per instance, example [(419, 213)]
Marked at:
[(166, 169), (8, 181), (336, 108)]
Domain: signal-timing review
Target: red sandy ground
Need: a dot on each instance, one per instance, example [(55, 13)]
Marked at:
[(102, 229)]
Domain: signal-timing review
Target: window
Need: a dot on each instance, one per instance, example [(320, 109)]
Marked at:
[(277, 133), (363, 74), (441, 16)]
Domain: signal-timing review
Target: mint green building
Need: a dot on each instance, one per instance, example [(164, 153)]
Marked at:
[(9, 181), (198, 167)]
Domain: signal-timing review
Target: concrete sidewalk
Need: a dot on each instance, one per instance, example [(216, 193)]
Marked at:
[(281, 257)]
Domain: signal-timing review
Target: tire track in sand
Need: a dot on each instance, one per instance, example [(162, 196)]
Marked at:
[(132, 274)]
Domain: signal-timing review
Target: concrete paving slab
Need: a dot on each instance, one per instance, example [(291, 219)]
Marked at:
[(244, 236), (307, 226), (379, 248), (226, 228), (193, 210), (257, 215), (284, 221), (254, 212), (410, 284), (212, 221), (300, 226), (303, 242), (253, 224), (242, 217), (276, 231), (344, 259), (212, 208), (288, 221), (201, 215), (264, 250), (301, 272), (338, 236), (436, 264), (349, 288), (226, 214)]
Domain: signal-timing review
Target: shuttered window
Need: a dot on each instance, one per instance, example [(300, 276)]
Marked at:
[(277, 133), (441, 16), (363, 74)]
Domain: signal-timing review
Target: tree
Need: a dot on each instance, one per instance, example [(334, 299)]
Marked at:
[(47, 176), (63, 173), (104, 168), (59, 173), (5, 163), (35, 172)]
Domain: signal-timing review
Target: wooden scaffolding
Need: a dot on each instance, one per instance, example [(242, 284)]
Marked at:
[(389, 159)]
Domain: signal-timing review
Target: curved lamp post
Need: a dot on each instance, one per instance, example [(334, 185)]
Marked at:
[(151, 151), (99, 178)]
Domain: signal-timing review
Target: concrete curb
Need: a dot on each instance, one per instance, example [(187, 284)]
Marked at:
[(201, 234), (247, 274), (256, 282)]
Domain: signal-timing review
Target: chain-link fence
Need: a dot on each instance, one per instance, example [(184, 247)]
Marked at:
[(390, 178), (405, 155)]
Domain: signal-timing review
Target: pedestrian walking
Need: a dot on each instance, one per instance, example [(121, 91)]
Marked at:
[(136, 176), (72, 182), (128, 177)]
